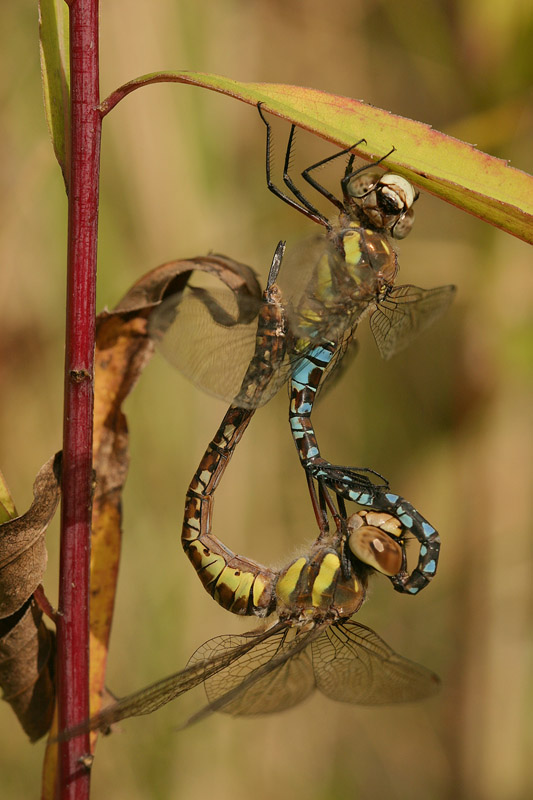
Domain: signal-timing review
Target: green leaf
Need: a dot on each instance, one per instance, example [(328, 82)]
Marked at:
[(7, 506), (54, 48), (450, 169)]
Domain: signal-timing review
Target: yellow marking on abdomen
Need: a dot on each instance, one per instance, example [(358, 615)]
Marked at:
[(324, 580), (288, 582), (258, 589), (191, 529), (233, 586), (207, 564)]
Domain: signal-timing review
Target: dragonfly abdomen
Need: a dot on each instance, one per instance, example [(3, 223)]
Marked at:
[(238, 584), (304, 385)]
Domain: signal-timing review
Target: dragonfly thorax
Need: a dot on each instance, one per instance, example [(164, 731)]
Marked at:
[(365, 248), (318, 587)]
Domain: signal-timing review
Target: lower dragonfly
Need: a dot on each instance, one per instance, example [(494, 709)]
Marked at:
[(314, 643)]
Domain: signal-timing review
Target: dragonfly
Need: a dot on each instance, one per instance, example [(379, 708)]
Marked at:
[(314, 643), (353, 272)]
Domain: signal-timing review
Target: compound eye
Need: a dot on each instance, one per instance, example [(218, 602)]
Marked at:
[(361, 184), (375, 548), (404, 225)]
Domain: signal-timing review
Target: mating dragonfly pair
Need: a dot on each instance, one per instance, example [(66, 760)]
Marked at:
[(339, 277), (314, 643)]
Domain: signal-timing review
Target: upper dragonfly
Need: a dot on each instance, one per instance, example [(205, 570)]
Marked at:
[(352, 269)]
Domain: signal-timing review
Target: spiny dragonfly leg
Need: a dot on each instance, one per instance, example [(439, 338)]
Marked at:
[(319, 507), (305, 207), (318, 186), (289, 183)]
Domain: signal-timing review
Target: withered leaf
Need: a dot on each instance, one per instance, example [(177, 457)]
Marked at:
[(26, 668), (22, 548), (123, 348)]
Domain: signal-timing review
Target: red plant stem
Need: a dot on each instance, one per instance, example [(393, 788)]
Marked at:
[(73, 626)]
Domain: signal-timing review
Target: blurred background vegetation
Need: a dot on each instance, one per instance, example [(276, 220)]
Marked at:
[(448, 422)]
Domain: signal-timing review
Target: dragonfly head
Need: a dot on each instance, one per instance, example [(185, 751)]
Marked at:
[(372, 539), (385, 201)]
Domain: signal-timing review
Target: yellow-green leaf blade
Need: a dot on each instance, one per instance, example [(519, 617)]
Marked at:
[(55, 74), (448, 168), (7, 505)]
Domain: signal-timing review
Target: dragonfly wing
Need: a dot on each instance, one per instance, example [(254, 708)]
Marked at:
[(300, 264), (158, 694), (274, 675), (353, 664), (201, 333), (406, 312)]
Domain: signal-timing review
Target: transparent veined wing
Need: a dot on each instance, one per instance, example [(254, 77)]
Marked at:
[(404, 313), (275, 675), (158, 694), (352, 664), (211, 339)]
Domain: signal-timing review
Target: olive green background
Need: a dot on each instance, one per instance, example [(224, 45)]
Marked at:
[(448, 422)]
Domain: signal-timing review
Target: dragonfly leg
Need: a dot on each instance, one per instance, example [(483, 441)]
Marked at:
[(318, 186), (289, 183), (304, 206), (319, 507), (349, 174)]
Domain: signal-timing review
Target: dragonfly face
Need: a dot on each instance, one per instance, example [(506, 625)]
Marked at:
[(371, 539), (385, 201)]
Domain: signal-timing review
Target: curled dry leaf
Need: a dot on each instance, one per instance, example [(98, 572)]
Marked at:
[(26, 668), (123, 349), (22, 549), (26, 645)]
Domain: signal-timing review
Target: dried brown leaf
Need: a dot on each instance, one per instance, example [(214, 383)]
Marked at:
[(123, 349), (26, 668), (22, 548)]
